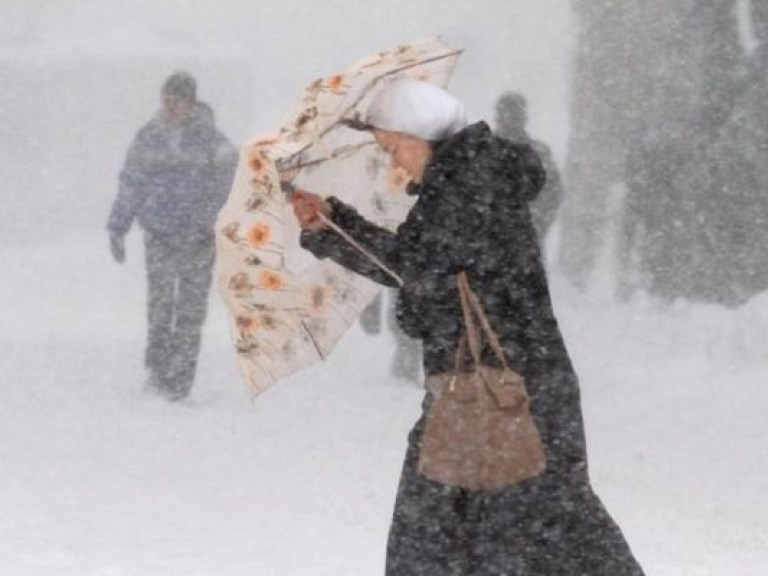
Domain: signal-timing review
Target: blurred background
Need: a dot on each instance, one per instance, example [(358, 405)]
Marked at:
[(655, 115), (79, 78), (650, 110)]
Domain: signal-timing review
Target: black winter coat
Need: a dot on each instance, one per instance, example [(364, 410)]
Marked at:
[(175, 179), (472, 214)]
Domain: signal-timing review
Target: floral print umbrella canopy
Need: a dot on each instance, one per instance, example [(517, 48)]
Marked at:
[(287, 308)]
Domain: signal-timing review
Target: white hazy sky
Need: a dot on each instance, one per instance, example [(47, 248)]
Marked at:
[(680, 464), (79, 77), (519, 44)]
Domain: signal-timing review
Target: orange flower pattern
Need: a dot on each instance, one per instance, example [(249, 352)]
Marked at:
[(335, 83), (259, 235), (270, 280), (254, 202), (282, 310), (319, 295), (246, 323), (257, 160), (306, 117), (269, 322), (266, 142), (240, 284), (230, 231)]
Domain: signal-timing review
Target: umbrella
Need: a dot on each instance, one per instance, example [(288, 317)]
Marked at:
[(288, 309)]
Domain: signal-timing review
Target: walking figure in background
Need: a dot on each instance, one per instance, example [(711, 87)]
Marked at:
[(176, 177), (511, 123), (406, 361)]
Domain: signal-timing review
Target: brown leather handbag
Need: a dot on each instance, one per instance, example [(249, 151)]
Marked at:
[(479, 433)]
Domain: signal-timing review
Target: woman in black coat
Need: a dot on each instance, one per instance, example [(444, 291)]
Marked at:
[(471, 214)]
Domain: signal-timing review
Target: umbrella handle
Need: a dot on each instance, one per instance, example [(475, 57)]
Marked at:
[(290, 190), (355, 244)]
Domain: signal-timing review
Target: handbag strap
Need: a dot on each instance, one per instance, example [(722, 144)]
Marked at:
[(471, 306)]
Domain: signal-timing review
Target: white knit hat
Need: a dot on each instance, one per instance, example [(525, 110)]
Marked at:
[(415, 107)]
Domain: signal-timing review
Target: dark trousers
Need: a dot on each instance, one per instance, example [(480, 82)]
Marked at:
[(179, 280), (407, 362)]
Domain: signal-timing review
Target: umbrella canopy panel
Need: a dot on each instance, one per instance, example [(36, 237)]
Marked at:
[(288, 309)]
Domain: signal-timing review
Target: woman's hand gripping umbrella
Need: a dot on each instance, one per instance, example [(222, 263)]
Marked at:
[(313, 214)]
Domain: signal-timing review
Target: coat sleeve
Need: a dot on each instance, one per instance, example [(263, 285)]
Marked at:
[(380, 242), (225, 160), (223, 164), (132, 188), (453, 218)]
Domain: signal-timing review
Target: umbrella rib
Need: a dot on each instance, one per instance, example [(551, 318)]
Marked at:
[(375, 82), (314, 342), (337, 310), (264, 359), (392, 73), (336, 154), (355, 244)]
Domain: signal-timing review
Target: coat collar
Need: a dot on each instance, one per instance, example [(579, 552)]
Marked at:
[(451, 154)]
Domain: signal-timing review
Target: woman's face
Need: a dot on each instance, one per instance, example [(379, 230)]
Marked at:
[(407, 152)]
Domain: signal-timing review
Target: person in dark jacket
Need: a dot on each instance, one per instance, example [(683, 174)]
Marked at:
[(472, 214), (406, 360), (512, 123), (176, 177)]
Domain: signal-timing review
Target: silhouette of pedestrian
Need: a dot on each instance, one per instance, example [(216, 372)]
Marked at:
[(511, 123), (176, 177)]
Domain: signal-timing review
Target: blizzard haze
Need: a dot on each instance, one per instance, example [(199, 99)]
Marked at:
[(83, 76), (99, 479)]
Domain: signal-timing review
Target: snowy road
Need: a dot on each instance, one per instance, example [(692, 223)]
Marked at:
[(98, 479)]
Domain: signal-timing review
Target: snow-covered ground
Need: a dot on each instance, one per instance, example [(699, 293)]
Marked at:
[(99, 479)]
